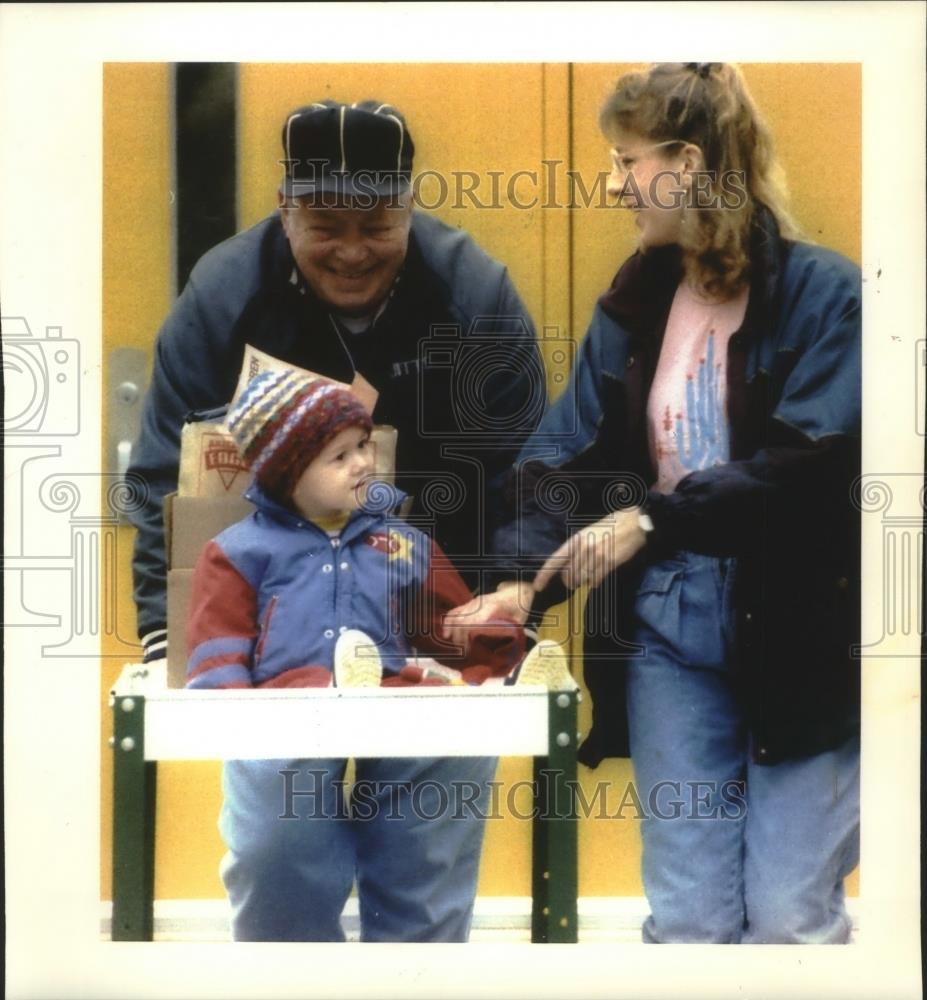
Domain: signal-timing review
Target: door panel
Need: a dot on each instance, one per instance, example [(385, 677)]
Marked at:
[(466, 120)]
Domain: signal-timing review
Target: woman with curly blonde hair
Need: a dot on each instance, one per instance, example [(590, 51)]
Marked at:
[(719, 384)]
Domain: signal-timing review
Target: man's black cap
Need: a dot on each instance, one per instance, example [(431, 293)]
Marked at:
[(355, 150)]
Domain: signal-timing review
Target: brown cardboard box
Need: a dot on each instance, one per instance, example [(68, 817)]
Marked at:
[(384, 438), (189, 523), (179, 590)]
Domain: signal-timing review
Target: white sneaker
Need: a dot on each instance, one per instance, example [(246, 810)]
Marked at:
[(357, 662), (546, 666)]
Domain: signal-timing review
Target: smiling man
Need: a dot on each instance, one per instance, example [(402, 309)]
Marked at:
[(349, 256), (348, 278), (345, 203)]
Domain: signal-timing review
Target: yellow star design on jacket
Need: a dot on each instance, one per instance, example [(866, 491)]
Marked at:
[(400, 546)]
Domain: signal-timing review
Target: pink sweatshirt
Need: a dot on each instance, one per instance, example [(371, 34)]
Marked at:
[(687, 409)]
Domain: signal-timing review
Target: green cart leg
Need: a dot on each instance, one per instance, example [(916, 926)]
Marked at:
[(554, 835), (134, 784)]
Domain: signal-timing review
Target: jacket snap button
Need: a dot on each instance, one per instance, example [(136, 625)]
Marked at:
[(327, 568), (843, 583), (748, 616), (630, 362), (763, 751), (329, 633), (342, 629), (344, 565)]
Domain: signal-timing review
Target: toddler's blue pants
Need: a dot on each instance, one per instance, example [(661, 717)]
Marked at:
[(410, 837)]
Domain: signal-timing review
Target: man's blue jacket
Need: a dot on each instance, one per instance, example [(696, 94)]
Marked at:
[(453, 356)]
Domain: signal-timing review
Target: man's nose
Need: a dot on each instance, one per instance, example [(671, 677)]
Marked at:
[(352, 249)]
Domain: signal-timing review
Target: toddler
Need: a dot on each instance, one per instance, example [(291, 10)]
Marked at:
[(288, 596), (322, 584)]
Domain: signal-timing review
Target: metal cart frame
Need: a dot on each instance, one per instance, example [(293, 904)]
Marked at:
[(152, 722)]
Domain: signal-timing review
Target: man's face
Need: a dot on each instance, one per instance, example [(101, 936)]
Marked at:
[(349, 256)]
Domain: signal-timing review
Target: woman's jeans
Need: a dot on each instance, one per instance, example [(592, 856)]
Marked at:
[(410, 836), (733, 852)]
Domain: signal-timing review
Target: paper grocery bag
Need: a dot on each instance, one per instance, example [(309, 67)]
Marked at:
[(210, 465), (255, 362)]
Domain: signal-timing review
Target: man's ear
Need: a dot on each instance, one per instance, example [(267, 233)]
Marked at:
[(285, 208)]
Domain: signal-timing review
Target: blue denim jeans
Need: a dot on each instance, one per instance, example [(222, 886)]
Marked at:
[(733, 852), (411, 837)]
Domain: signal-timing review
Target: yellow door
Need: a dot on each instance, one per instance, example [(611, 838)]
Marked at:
[(494, 144)]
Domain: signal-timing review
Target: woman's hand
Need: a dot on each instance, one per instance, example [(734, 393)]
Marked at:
[(587, 557), (511, 601)]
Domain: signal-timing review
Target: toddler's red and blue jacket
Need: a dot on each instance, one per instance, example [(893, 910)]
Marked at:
[(273, 592)]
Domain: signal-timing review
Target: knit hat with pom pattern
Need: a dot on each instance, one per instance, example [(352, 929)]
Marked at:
[(283, 420)]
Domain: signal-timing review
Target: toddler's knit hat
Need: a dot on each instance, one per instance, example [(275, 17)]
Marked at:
[(283, 420)]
